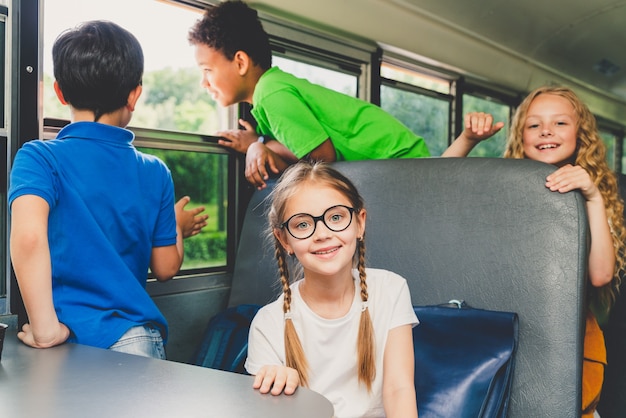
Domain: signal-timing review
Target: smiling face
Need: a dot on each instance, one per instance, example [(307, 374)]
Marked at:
[(550, 130), (325, 253), (221, 77)]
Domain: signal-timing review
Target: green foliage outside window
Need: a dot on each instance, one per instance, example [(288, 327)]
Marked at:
[(425, 116), (609, 140), (200, 176), (171, 100)]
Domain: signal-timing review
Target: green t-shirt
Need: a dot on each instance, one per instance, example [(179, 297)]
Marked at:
[(302, 115)]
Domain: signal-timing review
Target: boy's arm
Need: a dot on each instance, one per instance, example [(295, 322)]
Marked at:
[(166, 261), (30, 254), (277, 158), (324, 152), (478, 127)]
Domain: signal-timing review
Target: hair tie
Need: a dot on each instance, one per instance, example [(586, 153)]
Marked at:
[(288, 316), (363, 306)]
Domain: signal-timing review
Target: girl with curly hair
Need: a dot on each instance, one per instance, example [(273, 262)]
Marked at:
[(554, 126)]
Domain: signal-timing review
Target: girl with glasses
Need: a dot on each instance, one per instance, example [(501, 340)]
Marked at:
[(340, 329)]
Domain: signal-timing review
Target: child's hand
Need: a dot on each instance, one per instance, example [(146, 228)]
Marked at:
[(257, 158), (53, 336), (479, 126), (572, 177), (239, 139), (277, 378), (190, 221)]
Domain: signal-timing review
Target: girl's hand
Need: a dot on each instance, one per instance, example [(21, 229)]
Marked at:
[(571, 177), (278, 379), (480, 126)]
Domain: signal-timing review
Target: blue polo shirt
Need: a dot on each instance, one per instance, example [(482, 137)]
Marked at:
[(109, 206)]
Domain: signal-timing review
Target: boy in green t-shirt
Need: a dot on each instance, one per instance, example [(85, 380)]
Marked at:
[(296, 119)]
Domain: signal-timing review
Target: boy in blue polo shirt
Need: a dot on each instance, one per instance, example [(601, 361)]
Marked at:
[(91, 214)]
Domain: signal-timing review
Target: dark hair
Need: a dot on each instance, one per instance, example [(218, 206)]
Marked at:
[(97, 65), (230, 27)]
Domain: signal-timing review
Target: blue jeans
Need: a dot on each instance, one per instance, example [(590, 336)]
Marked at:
[(142, 340)]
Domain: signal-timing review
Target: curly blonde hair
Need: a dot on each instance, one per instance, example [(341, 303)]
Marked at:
[(591, 156), (292, 179)]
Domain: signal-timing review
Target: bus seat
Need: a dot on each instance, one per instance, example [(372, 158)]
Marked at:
[(483, 230), (613, 398)]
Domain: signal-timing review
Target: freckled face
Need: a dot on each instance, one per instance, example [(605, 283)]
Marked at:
[(325, 253), (221, 77), (550, 130)]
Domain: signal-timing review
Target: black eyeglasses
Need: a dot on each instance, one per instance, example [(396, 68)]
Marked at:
[(302, 225)]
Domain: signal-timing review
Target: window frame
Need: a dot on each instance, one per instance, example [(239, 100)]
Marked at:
[(332, 51), (402, 59), (619, 132), (5, 108), (24, 122), (181, 141)]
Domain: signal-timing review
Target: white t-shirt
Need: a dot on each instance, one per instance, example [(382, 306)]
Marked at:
[(330, 345)]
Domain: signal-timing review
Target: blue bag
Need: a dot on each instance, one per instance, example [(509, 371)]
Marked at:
[(464, 361), (224, 345)]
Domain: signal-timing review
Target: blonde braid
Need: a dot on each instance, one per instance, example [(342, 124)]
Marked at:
[(294, 354), (365, 345)]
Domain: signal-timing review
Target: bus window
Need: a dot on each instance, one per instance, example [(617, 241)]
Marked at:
[(208, 248), (414, 78), (623, 156), (3, 155), (609, 140), (419, 101), (3, 49), (494, 146), (332, 79), (172, 98), (174, 111)]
